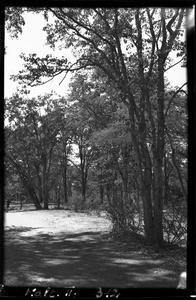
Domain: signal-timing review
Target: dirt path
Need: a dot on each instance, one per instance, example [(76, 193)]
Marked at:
[(60, 248)]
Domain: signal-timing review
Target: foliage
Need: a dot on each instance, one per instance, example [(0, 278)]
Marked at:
[(14, 20), (31, 138)]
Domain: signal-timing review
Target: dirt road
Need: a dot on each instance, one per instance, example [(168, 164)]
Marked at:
[(61, 248)]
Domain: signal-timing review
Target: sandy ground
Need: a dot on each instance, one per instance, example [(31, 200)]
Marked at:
[(61, 248), (54, 222)]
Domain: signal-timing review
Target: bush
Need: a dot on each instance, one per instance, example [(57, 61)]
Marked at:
[(75, 202), (175, 225), (129, 218), (125, 218)]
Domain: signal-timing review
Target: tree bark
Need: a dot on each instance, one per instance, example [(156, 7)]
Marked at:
[(84, 172), (158, 203), (146, 193), (125, 154), (45, 182), (65, 187), (33, 196), (160, 145), (83, 187)]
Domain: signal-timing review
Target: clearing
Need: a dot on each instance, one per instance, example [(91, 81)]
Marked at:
[(61, 248)]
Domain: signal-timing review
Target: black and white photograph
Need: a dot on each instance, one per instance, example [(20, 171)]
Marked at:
[(96, 146)]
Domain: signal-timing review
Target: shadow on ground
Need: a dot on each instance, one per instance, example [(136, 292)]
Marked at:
[(86, 259)]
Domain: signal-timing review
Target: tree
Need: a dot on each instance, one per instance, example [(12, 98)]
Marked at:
[(31, 138), (130, 47), (80, 132), (92, 110), (64, 141)]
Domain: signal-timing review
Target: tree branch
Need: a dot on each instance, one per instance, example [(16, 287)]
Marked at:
[(175, 64), (173, 33), (153, 45), (174, 95), (171, 22), (90, 41)]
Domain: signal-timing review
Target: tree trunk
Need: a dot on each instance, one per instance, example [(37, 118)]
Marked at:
[(8, 202), (159, 152), (31, 193), (45, 181), (125, 154), (46, 200), (144, 167), (158, 203), (57, 192), (83, 189), (101, 192), (83, 171), (147, 210), (166, 184), (26, 184), (66, 200), (45, 193), (34, 198)]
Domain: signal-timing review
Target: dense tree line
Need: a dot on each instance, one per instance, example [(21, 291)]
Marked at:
[(124, 122)]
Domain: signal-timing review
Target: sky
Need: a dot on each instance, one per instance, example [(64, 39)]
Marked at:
[(33, 40)]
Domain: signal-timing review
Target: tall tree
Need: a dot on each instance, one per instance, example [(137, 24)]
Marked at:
[(31, 138)]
